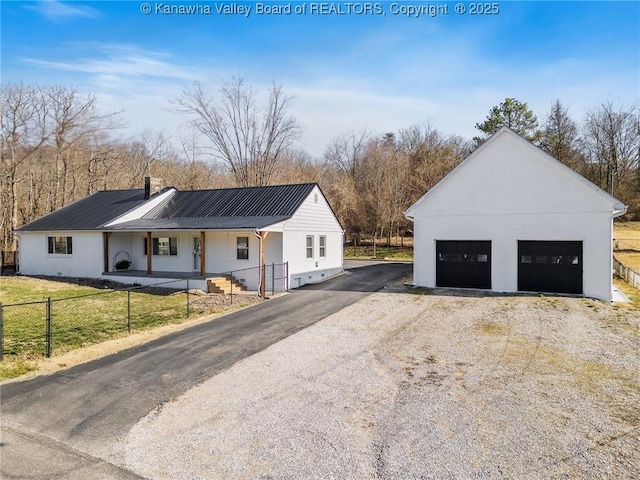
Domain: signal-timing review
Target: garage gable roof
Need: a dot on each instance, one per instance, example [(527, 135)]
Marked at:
[(618, 207)]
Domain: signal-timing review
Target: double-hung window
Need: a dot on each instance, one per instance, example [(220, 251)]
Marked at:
[(163, 246), (309, 246), (59, 245), (242, 248), (323, 246)]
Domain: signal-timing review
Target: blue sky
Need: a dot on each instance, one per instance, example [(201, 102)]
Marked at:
[(383, 72)]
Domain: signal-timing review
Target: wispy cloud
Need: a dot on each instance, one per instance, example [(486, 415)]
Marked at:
[(58, 11), (112, 64)]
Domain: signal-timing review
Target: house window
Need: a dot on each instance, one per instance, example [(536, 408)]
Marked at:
[(242, 248), (323, 246), (163, 245), (59, 245), (309, 246)]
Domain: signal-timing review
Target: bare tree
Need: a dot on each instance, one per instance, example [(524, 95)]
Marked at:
[(612, 138), (345, 152), (249, 139), (561, 137), (431, 155), (73, 120), (142, 154), (23, 133)]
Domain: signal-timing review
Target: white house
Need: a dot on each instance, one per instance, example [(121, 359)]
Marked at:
[(512, 218), (202, 233)]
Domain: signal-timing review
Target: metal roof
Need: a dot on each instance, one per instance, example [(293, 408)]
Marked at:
[(270, 201), (89, 213), (250, 207), (198, 223)]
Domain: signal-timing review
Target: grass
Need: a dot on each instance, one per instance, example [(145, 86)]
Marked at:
[(27, 289), (629, 259), (366, 252), (632, 294), (627, 235), (92, 316)]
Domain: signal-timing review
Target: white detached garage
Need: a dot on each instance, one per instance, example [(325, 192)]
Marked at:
[(512, 218)]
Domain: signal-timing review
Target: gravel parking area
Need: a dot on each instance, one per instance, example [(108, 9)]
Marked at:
[(406, 385)]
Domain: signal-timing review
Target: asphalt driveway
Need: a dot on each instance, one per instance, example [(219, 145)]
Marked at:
[(53, 426)]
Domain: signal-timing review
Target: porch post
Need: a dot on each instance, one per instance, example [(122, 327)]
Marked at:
[(263, 236), (149, 253), (203, 250), (105, 250)]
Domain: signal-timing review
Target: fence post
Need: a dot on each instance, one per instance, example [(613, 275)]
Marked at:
[(1, 332), (231, 284), (49, 333), (286, 275), (273, 279), (187, 298), (129, 310)]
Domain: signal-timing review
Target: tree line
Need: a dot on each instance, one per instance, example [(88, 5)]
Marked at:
[(57, 146)]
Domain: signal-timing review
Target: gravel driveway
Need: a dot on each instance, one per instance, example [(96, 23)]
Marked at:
[(404, 386)]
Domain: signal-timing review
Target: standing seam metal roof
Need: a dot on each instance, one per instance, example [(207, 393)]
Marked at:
[(88, 213), (270, 201), (250, 207)]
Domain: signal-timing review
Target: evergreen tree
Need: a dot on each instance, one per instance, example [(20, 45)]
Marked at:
[(513, 114)]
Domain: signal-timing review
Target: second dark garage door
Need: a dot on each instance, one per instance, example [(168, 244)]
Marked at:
[(550, 266), (463, 264)]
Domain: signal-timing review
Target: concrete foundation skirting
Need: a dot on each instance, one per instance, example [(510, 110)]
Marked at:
[(304, 278)]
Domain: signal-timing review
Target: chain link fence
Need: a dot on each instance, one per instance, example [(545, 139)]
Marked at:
[(35, 329)]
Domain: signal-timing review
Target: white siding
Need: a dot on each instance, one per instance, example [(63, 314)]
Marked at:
[(162, 263), (221, 256), (121, 242), (512, 179), (511, 191), (504, 233), (85, 261), (142, 209), (285, 242), (313, 219)]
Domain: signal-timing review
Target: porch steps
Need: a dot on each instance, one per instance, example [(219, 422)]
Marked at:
[(223, 285)]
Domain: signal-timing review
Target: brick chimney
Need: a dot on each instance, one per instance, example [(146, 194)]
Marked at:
[(151, 186)]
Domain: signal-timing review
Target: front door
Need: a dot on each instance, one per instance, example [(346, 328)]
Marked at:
[(196, 254)]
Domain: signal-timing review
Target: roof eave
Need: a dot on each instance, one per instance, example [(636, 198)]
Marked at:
[(620, 212)]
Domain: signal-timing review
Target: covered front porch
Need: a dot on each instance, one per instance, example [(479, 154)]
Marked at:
[(210, 259)]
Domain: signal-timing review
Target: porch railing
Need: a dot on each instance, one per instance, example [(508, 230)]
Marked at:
[(272, 278)]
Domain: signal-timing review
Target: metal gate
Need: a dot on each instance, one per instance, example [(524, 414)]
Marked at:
[(463, 264), (550, 266)]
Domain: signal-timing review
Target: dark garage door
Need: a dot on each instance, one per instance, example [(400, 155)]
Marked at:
[(554, 267), (464, 264)]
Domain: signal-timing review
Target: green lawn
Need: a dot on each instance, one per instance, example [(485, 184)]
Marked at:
[(627, 235), (366, 252), (91, 316)]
